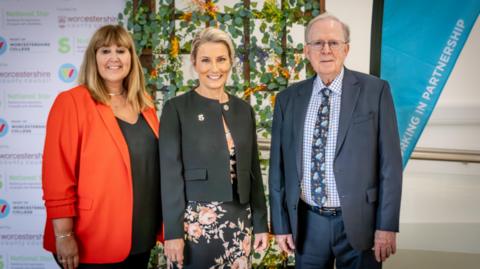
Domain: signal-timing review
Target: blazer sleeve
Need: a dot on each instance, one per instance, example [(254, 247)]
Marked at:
[(60, 158), (171, 169), (390, 163), (257, 192), (279, 216)]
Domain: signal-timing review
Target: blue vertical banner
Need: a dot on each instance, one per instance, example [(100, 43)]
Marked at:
[(421, 41)]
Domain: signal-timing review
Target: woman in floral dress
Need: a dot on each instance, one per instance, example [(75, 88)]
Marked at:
[(212, 191)]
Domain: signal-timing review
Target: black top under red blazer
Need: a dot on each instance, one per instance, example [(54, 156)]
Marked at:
[(195, 161)]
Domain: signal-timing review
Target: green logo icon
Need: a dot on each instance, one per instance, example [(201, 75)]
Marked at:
[(64, 45)]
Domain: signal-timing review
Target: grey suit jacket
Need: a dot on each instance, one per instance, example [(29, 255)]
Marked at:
[(195, 162), (367, 164)]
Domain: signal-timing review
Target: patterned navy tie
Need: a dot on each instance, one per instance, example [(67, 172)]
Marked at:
[(320, 133)]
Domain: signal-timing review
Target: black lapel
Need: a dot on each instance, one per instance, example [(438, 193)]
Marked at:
[(300, 107), (233, 117), (350, 93)]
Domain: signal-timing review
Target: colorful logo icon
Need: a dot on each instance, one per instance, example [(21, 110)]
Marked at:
[(64, 45), (4, 209), (3, 45), (67, 73), (62, 20), (3, 127)]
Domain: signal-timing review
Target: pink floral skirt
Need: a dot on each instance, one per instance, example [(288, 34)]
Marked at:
[(218, 235)]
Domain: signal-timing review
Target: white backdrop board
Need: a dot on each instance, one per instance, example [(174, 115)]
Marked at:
[(41, 49)]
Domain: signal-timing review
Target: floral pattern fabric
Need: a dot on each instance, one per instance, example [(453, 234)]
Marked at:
[(218, 235)]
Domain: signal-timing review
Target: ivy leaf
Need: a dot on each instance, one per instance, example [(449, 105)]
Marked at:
[(238, 21), (278, 49), (171, 88), (242, 13), (265, 38), (266, 77), (281, 80), (263, 27)]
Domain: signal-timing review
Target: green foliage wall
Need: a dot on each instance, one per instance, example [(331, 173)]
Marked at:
[(266, 62)]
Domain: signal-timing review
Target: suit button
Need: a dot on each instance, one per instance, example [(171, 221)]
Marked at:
[(294, 207)]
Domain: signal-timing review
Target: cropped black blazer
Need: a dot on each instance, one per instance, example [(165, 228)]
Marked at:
[(195, 162)]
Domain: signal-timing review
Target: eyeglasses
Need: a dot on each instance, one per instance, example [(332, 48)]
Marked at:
[(332, 44)]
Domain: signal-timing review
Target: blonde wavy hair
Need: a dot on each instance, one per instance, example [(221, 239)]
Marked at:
[(134, 83), (214, 35)]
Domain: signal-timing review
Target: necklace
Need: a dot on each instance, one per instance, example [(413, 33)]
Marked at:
[(116, 93)]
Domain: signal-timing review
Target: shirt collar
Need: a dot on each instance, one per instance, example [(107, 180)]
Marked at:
[(335, 86)]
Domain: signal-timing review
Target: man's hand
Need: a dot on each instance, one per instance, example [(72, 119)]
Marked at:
[(285, 242), (385, 245), (174, 251)]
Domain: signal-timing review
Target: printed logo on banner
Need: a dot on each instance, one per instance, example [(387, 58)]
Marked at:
[(26, 99), (25, 76), (64, 45), (26, 44), (90, 21), (21, 158), (24, 182), (67, 73), (28, 208), (3, 127), (26, 127), (3, 45), (4, 208), (62, 20), (24, 18)]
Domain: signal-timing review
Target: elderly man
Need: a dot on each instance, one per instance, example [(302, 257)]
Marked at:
[(335, 165)]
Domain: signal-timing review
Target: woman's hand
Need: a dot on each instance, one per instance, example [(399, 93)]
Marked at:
[(67, 251), (174, 251), (261, 242), (67, 248)]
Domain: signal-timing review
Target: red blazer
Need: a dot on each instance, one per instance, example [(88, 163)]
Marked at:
[(86, 175)]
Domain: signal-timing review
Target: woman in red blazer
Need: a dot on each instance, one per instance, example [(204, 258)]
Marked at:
[(100, 164)]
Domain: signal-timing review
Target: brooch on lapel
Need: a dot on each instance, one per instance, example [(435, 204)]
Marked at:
[(201, 117), (226, 107)]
